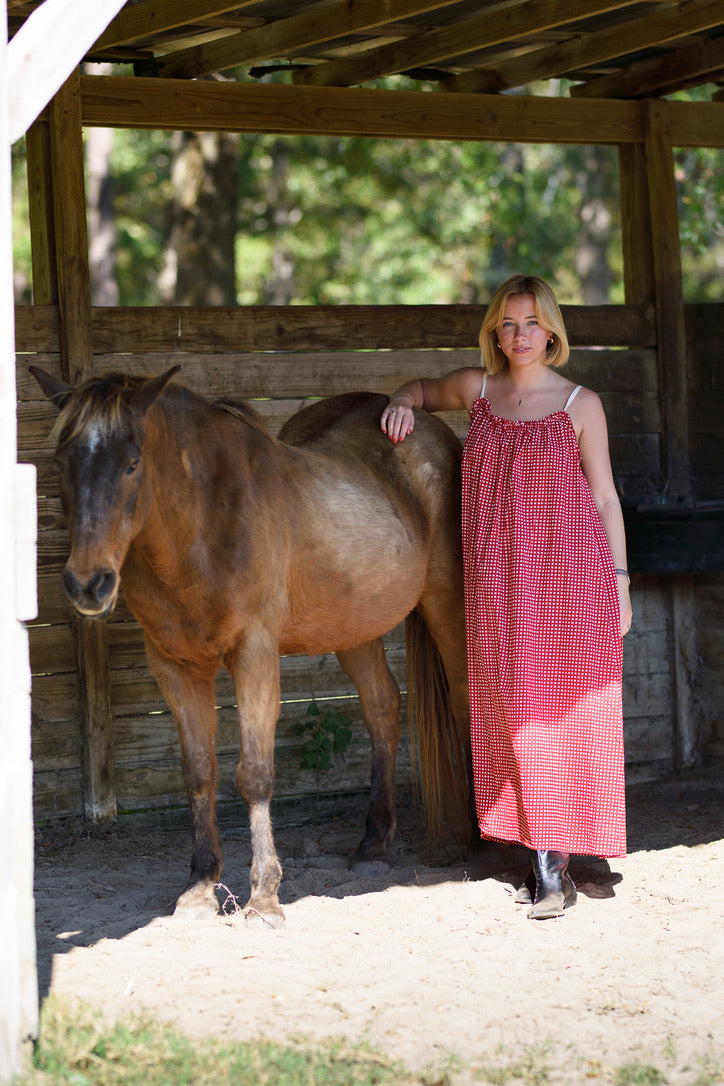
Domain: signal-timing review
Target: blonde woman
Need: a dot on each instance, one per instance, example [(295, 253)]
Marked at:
[(546, 591)]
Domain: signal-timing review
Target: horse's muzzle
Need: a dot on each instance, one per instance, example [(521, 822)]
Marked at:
[(97, 597)]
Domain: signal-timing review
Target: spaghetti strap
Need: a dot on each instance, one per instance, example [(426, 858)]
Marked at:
[(572, 396), (485, 381)]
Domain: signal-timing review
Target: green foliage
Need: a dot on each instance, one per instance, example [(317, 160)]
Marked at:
[(700, 188), (639, 1074), (327, 732), (340, 220), (76, 1048)]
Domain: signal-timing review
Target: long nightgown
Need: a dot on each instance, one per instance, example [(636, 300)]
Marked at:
[(544, 640)]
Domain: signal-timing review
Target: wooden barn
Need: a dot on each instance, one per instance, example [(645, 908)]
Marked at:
[(103, 744)]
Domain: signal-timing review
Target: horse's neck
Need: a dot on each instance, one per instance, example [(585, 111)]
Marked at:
[(190, 459)]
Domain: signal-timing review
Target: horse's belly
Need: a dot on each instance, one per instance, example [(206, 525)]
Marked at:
[(337, 605)]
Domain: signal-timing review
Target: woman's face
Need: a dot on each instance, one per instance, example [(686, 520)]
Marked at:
[(523, 340)]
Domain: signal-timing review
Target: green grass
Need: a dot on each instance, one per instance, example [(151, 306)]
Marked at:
[(77, 1048)]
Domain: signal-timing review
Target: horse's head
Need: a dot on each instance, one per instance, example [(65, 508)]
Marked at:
[(100, 436)]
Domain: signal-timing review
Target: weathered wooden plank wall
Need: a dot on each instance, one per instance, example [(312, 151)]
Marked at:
[(246, 353)]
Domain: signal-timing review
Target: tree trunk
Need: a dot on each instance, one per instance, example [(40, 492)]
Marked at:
[(101, 223), (199, 265), (592, 262)]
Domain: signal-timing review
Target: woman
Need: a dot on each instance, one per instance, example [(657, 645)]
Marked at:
[(546, 591)]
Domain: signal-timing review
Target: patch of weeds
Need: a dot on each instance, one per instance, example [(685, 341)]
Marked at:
[(710, 1072), (531, 1068), (326, 732), (640, 1074), (77, 1048)]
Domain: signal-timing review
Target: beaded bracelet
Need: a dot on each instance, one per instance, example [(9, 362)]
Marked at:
[(624, 573)]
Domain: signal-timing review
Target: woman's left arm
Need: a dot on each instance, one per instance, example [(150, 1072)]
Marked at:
[(590, 423)]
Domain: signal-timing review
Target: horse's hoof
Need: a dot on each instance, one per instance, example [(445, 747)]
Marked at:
[(272, 917), (370, 869), (198, 900)]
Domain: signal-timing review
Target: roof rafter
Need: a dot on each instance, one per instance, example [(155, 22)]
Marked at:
[(155, 16), (691, 64), (500, 23), (688, 17), (287, 35)]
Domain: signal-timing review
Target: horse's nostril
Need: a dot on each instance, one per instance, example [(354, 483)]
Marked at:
[(101, 585), (98, 588), (71, 584)]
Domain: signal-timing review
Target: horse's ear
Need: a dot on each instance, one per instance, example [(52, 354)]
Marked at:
[(56, 390), (142, 398)]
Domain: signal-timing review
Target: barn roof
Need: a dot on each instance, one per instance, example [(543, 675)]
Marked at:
[(602, 48)]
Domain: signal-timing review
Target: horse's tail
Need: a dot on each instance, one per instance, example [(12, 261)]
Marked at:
[(438, 751)]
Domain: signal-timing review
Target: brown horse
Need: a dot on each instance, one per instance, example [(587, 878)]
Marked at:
[(234, 547)]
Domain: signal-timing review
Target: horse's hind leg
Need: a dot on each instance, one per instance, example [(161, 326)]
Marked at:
[(367, 667), (192, 704)]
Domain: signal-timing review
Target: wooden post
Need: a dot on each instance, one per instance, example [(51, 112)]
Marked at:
[(687, 731), (74, 300), (18, 975), (652, 272), (40, 207), (669, 297)]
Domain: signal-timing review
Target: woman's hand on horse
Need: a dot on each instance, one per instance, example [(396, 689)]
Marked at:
[(398, 420)]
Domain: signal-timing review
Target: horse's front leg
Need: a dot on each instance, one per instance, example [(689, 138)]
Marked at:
[(366, 665), (254, 666), (191, 700)]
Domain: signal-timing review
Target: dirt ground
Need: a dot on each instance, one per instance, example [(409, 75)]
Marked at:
[(428, 960)]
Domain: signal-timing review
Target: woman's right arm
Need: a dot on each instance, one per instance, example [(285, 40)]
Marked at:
[(456, 391)]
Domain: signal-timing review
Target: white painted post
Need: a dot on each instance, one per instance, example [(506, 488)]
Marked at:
[(48, 47), (18, 974)]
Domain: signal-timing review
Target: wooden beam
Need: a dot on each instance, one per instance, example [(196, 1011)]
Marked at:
[(480, 31), (41, 214), (337, 327), (48, 46), (74, 303), (152, 17), (594, 48), (317, 327), (125, 102), (669, 298), (286, 36), (697, 127), (694, 63)]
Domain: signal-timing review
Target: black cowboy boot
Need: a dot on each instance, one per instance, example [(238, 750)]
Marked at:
[(554, 888), (525, 894)]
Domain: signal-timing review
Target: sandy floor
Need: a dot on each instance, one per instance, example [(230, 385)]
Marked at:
[(429, 959)]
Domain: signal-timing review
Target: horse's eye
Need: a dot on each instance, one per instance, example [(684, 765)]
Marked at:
[(133, 464)]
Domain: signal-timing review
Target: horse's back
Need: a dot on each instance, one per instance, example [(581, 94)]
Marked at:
[(348, 425)]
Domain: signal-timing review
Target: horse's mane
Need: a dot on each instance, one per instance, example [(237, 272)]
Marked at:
[(98, 402)]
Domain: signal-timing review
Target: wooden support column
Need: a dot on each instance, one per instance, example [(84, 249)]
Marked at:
[(687, 733), (652, 273), (70, 247), (669, 298), (42, 224)]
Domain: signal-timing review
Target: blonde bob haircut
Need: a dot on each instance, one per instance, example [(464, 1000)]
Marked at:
[(547, 313)]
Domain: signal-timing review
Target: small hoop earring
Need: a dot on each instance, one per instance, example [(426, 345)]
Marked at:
[(498, 345)]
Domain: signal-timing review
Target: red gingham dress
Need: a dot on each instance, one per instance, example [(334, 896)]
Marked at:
[(544, 640)]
